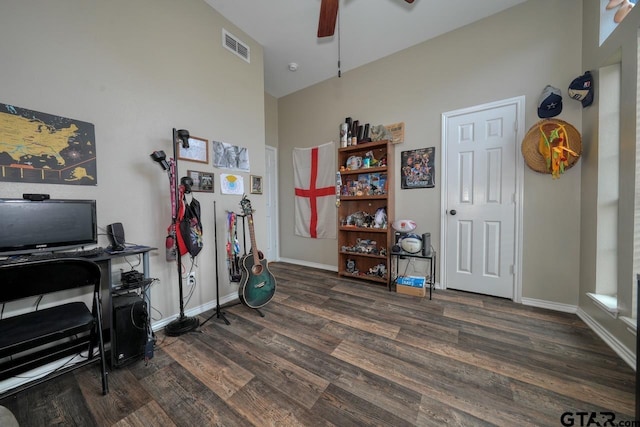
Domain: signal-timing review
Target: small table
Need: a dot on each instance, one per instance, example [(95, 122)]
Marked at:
[(109, 289), (431, 280)]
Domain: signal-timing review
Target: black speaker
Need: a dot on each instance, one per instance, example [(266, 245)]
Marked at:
[(115, 232), (426, 244), (129, 328), (396, 242)]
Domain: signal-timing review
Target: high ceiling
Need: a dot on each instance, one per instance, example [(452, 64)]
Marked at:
[(368, 30)]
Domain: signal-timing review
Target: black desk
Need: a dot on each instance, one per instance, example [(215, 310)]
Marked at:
[(431, 280)]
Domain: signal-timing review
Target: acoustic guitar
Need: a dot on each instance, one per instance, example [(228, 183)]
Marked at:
[(257, 284)]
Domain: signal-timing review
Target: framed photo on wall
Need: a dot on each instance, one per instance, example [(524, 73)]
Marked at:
[(256, 184), (198, 150), (202, 181), (417, 168)]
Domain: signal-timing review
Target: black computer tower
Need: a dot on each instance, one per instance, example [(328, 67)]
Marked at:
[(130, 327)]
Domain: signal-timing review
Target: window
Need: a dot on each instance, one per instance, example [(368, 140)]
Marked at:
[(612, 12), (608, 176)]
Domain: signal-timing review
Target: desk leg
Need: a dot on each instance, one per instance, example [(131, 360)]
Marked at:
[(392, 277), (106, 286), (432, 282), (147, 289), (146, 295)]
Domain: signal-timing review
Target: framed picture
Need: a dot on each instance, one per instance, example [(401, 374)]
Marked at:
[(417, 168), (202, 181), (256, 184), (198, 150)]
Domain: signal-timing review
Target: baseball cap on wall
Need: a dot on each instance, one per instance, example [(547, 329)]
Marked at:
[(581, 89), (550, 102)]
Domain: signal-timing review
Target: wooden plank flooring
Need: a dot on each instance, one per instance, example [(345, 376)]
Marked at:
[(335, 351)]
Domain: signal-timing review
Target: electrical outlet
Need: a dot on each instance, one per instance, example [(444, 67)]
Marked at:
[(191, 279)]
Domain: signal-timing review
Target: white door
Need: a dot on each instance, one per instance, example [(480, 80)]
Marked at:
[(481, 156), (271, 195)]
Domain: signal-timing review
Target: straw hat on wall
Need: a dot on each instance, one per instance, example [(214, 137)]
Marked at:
[(551, 146)]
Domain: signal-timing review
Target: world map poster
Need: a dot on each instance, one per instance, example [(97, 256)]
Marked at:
[(42, 148)]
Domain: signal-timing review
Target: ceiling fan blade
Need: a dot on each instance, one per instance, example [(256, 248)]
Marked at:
[(328, 15), (409, 1)]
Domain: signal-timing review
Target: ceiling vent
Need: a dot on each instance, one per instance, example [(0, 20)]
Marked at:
[(232, 43)]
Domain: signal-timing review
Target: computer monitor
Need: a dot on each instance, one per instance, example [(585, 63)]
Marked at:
[(28, 226)]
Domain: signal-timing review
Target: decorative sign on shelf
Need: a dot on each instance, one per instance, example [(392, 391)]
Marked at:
[(397, 132)]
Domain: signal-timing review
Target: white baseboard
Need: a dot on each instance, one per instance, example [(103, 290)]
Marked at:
[(310, 264), (621, 350), (565, 308)]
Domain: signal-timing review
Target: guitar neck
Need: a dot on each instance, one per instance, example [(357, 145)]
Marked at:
[(252, 236)]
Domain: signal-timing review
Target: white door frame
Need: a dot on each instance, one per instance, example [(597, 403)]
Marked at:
[(519, 102), (273, 196)]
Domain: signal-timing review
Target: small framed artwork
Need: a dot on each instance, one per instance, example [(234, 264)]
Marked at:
[(202, 181), (256, 184), (417, 168), (198, 150)]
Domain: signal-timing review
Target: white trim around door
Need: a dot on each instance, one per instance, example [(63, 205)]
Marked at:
[(519, 104)]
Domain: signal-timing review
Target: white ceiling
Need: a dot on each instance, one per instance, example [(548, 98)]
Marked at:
[(369, 30)]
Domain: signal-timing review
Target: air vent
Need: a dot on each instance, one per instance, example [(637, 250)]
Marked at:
[(232, 43)]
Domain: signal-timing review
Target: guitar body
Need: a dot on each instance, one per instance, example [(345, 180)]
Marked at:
[(257, 284)]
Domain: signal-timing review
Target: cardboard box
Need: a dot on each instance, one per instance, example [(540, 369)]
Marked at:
[(413, 281), (411, 285)]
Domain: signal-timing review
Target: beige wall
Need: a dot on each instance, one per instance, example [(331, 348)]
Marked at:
[(622, 47), (136, 70), (271, 120), (514, 53)]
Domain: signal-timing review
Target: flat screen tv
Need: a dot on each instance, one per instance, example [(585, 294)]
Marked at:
[(46, 226)]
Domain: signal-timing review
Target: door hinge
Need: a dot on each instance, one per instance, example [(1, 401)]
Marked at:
[(512, 269)]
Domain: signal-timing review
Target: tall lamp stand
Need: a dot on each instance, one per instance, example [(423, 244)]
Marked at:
[(182, 324)]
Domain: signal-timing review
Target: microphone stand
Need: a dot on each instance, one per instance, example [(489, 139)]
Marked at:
[(219, 314), (182, 324)]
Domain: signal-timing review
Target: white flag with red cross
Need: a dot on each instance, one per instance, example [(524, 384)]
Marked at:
[(315, 191)]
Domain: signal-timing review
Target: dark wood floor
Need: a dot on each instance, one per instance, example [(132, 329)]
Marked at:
[(333, 351)]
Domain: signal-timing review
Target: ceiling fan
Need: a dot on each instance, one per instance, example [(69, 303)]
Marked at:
[(328, 15)]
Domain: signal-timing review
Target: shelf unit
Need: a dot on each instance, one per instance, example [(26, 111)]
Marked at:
[(353, 236)]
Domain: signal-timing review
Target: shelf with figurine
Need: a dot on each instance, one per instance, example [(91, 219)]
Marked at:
[(364, 221), (365, 209), (365, 247)]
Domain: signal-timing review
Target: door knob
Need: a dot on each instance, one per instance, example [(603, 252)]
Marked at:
[(453, 212)]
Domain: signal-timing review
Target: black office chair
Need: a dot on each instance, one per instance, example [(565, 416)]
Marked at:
[(45, 335)]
